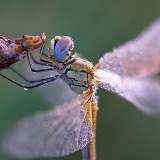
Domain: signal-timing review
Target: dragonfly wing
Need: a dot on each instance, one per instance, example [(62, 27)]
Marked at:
[(143, 93), (63, 93), (138, 58), (57, 132)]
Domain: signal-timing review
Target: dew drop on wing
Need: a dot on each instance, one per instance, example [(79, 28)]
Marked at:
[(138, 58), (142, 93)]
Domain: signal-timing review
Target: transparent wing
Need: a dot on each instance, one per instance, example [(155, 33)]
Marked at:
[(143, 93), (57, 132), (137, 58), (63, 93)]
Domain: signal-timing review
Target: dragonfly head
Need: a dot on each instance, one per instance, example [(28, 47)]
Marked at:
[(61, 47)]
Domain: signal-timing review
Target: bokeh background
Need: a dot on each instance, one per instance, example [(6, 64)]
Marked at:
[(123, 132)]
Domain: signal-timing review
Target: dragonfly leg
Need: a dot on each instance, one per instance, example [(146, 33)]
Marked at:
[(26, 79), (37, 62), (42, 54), (47, 62), (41, 81), (42, 61), (45, 58)]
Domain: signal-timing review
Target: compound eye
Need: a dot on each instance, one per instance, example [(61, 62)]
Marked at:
[(62, 47)]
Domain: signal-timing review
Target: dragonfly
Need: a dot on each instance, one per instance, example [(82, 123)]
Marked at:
[(128, 71), (12, 51)]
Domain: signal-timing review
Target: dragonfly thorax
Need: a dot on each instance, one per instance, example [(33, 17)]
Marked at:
[(78, 74)]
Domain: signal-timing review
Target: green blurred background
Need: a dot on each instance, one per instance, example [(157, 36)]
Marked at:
[(123, 132)]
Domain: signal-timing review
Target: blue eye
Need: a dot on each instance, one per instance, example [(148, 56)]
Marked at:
[(61, 47)]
